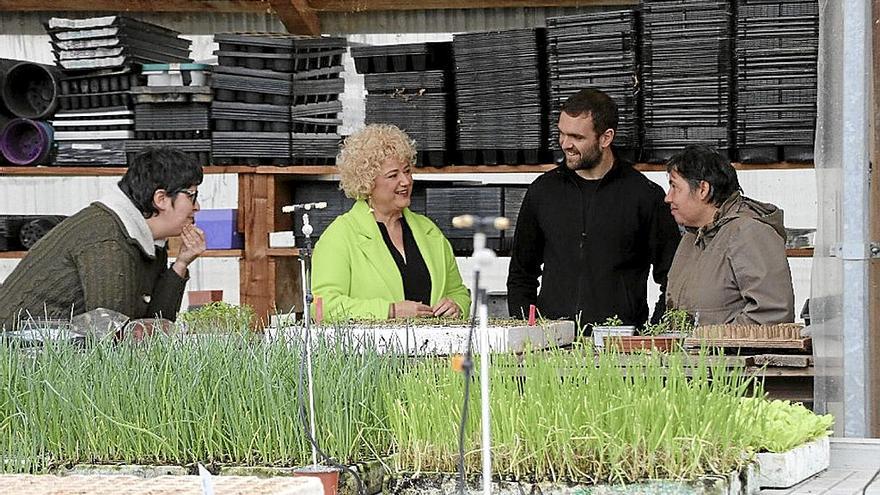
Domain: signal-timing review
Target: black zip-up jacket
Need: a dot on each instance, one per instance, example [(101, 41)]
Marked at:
[(596, 253)]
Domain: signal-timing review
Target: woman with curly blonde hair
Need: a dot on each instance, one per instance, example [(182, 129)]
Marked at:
[(380, 260)]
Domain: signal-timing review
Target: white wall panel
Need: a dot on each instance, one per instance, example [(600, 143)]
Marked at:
[(67, 195)]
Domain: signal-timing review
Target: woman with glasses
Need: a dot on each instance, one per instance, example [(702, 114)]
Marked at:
[(380, 260), (113, 253)]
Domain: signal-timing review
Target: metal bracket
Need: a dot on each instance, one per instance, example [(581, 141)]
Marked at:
[(855, 251)]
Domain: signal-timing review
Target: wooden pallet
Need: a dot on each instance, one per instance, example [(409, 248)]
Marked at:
[(799, 344)]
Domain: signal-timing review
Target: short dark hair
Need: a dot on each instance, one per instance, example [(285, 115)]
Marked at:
[(158, 167), (696, 163), (595, 103)]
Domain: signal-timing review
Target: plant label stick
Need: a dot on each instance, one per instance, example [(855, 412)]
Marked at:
[(205, 478), (319, 309), (532, 310)]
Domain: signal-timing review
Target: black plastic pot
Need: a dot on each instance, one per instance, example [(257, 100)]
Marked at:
[(29, 90)]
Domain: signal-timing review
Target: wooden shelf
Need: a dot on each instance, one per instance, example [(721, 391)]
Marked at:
[(799, 252), (212, 253), (283, 252), (331, 169), (136, 6), (791, 253), (12, 255), (98, 171), (298, 16), (267, 5)]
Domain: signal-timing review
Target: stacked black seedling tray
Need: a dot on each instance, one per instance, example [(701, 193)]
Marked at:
[(280, 87), (95, 137), (777, 48), (113, 42), (183, 121), (101, 58), (410, 86), (419, 198), (513, 198), (316, 191), (85, 91), (199, 149), (687, 82), (442, 204), (170, 111), (599, 51), (501, 94)]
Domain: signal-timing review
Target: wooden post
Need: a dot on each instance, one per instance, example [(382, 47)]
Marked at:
[(255, 214), (268, 283)]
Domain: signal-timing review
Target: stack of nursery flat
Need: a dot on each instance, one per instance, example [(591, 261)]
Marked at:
[(173, 110), (442, 204), (436, 336), (777, 48), (597, 50), (276, 98), (687, 76), (101, 58), (501, 94), (410, 86)]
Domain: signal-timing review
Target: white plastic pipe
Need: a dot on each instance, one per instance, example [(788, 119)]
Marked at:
[(484, 396), (483, 257), (308, 328)]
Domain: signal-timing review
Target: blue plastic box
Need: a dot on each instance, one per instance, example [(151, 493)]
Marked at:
[(219, 227)]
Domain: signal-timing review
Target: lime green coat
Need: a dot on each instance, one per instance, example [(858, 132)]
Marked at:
[(356, 277)]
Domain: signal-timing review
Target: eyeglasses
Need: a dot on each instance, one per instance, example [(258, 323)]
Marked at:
[(193, 195)]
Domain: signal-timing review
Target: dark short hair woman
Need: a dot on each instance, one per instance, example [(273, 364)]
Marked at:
[(112, 254), (730, 266), (380, 260)]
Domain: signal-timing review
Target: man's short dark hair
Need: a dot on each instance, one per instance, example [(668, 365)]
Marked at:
[(596, 104), (698, 163), (158, 167)]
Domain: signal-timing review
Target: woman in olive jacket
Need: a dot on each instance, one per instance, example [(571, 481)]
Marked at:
[(380, 260), (730, 266)]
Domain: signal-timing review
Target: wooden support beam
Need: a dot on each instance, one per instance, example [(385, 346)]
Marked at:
[(873, 342), (306, 7), (257, 284), (136, 6), (368, 5), (297, 16)]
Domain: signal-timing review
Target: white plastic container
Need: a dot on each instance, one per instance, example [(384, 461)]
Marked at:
[(173, 74), (602, 331)]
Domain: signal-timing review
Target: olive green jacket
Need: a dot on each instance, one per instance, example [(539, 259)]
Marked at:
[(356, 277), (735, 269), (90, 261)]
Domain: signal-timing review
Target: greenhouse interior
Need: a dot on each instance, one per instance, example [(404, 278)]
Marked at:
[(371, 246)]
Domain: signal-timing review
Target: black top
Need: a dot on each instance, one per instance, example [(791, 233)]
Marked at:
[(593, 243), (413, 271)]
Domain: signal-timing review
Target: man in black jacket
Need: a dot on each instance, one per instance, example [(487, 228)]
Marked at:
[(595, 224)]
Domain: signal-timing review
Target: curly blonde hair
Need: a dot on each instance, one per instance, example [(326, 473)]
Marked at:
[(362, 154)]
